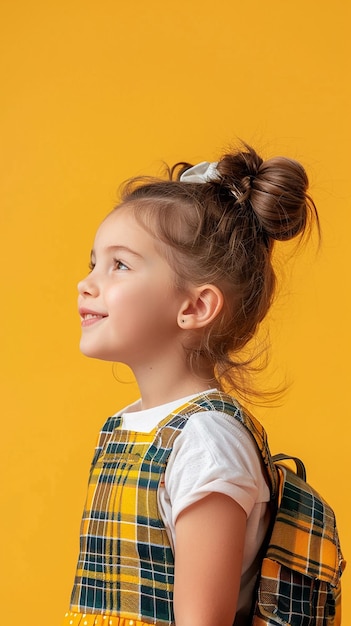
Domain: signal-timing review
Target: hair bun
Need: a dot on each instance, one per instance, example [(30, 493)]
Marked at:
[(275, 190)]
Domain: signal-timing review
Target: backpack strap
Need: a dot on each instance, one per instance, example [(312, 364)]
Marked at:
[(300, 467)]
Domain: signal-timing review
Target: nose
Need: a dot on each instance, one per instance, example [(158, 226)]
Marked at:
[(88, 286)]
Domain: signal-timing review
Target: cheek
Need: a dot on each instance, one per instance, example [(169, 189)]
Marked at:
[(141, 303), (129, 308), (118, 297)]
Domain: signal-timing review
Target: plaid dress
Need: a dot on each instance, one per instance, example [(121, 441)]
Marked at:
[(125, 570)]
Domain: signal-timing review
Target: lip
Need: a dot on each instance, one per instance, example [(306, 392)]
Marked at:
[(90, 317)]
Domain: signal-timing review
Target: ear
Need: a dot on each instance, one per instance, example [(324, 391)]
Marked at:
[(201, 308)]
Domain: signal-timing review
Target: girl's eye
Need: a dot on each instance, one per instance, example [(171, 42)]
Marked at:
[(91, 266), (119, 265)]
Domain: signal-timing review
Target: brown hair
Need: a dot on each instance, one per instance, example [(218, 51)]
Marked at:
[(222, 232)]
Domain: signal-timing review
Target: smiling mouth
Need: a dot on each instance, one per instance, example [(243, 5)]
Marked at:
[(88, 319)]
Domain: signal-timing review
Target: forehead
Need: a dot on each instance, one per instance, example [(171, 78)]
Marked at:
[(118, 224), (120, 228)]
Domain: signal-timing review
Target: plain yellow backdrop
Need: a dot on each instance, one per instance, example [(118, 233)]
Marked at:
[(94, 92)]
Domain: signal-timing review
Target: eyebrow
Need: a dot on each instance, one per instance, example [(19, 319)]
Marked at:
[(116, 248)]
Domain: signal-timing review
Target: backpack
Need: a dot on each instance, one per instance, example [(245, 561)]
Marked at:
[(300, 561), (299, 579)]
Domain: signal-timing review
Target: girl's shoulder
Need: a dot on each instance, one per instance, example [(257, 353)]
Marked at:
[(226, 430), (215, 453), (218, 439)]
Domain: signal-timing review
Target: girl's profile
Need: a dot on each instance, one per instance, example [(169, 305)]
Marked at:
[(180, 279)]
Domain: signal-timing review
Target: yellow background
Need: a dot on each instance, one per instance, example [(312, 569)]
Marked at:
[(94, 92)]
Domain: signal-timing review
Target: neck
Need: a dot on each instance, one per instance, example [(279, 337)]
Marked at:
[(160, 384)]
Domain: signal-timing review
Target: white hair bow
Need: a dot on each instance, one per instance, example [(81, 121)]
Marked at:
[(204, 172)]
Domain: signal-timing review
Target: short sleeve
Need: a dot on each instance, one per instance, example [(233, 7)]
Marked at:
[(214, 454)]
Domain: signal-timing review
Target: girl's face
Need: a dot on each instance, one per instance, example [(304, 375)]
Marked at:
[(128, 303)]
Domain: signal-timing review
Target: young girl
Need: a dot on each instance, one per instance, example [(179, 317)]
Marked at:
[(177, 505)]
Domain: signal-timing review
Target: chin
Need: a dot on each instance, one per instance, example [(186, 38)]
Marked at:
[(94, 353), (89, 351)]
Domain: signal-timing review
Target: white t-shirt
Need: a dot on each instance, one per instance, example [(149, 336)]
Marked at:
[(213, 453)]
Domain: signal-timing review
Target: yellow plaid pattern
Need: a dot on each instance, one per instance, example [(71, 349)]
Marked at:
[(299, 581), (126, 566), (125, 571)]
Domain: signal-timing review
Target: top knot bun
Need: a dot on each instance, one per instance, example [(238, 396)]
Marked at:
[(275, 190)]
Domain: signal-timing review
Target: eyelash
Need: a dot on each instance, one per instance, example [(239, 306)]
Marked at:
[(116, 263)]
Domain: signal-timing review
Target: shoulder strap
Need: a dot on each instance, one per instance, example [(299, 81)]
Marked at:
[(300, 467)]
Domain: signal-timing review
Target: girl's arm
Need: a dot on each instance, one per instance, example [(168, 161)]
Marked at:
[(210, 538)]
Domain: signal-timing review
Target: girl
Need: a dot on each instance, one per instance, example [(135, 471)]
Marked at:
[(177, 505)]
